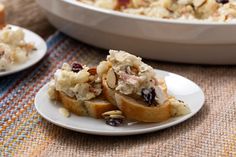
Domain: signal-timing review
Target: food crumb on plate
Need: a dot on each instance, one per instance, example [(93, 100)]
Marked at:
[(63, 111)]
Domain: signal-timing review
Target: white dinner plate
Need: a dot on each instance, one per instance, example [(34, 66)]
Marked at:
[(178, 86), (34, 57)]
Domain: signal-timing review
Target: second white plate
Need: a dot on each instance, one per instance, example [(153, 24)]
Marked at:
[(178, 86), (35, 57)]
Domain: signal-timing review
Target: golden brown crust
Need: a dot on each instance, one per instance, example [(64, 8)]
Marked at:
[(93, 108), (97, 108), (131, 107), (72, 105), (108, 93), (136, 110)]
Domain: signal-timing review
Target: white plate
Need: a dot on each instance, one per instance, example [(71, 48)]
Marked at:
[(178, 86), (161, 39), (34, 57)]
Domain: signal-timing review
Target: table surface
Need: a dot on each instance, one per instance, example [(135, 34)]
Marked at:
[(212, 132), (26, 13)]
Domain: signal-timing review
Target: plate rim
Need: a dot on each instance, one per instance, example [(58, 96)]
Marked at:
[(125, 132), (44, 50)]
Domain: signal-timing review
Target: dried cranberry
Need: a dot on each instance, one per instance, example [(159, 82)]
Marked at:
[(222, 1), (149, 95), (114, 121), (76, 67)]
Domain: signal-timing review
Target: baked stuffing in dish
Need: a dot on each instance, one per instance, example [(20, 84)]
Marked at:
[(210, 10)]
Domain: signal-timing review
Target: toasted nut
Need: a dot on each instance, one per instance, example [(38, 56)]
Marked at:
[(113, 118), (113, 112), (93, 71), (117, 116), (132, 70), (111, 79)]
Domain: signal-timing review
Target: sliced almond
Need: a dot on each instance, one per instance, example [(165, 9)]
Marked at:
[(132, 70), (92, 71), (114, 112), (117, 116), (111, 78)]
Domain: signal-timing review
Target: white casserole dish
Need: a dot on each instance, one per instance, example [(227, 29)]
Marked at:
[(160, 39)]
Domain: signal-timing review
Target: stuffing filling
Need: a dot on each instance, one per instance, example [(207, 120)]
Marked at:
[(13, 47), (211, 10), (76, 81), (128, 75)]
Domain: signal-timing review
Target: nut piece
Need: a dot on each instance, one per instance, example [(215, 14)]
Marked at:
[(92, 71), (132, 70), (113, 118), (111, 79), (117, 117), (114, 112)]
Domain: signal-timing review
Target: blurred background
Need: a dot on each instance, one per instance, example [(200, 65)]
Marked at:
[(26, 13)]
